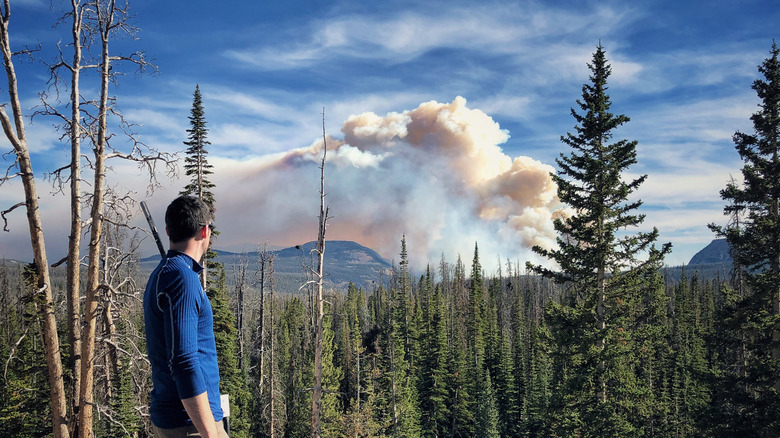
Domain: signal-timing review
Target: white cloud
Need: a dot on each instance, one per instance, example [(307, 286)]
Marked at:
[(500, 29)]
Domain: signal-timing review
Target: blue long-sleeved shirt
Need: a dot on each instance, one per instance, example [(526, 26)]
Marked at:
[(180, 341)]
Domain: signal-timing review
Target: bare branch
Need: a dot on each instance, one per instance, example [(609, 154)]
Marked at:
[(11, 353), (4, 212), (8, 128), (8, 175)]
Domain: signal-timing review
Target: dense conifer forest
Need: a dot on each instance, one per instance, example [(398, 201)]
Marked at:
[(452, 352), (599, 342)]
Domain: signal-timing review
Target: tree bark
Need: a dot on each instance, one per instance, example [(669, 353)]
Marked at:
[(316, 400), (93, 271), (601, 388), (16, 136), (271, 368), (74, 240)]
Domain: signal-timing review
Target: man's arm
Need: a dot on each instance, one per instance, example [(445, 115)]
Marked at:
[(200, 413)]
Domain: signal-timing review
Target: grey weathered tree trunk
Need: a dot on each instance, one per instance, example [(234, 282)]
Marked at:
[(73, 285), (105, 22), (316, 400), (15, 132), (271, 350), (261, 324)]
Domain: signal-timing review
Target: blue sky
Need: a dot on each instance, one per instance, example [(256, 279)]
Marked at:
[(394, 78)]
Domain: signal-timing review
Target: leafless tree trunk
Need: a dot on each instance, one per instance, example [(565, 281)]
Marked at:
[(105, 22), (261, 326), (316, 401), (74, 240), (240, 286), (601, 325), (265, 339), (72, 125), (15, 132), (271, 350), (119, 296), (108, 19), (267, 283)]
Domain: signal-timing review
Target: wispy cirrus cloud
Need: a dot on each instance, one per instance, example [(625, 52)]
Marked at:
[(492, 29)]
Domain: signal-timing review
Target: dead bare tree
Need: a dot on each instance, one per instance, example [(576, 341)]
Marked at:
[(261, 322), (316, 403), (241, 284), (71, 126), (107, 19), (15, 132), (120, 299), (266, 337), (92, 23), (271, 351)]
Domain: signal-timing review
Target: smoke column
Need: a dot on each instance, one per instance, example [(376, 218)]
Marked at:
[(435, 174)]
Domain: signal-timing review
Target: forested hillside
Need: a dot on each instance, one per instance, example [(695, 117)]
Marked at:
[(399, 358), (595, 341)]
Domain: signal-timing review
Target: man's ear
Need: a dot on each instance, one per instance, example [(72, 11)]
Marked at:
[(166, 232)]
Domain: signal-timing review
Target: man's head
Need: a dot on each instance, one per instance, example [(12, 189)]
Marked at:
[(185, 218)]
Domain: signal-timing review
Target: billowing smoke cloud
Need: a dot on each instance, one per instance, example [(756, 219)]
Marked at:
[(436, 174)]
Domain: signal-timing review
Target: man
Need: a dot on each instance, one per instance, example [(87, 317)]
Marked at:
[(179, 330)]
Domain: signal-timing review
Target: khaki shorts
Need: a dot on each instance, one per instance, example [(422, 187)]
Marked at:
[(186, 431)]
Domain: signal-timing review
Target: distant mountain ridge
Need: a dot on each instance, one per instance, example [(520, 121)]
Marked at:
[(716, 252), (345, 262), (712, 261)]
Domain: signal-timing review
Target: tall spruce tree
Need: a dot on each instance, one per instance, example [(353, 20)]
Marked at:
[(331, 375), (433, 391), (461, 399), (476, 325), (196, 165), (753, 402), (401, 383), (599, 262), (234, 380)]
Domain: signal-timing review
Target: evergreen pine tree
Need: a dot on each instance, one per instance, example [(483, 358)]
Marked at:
[(599, 262), (358, 420), (752, 398), (689, 393), (331, 376), (401, 385), (506, 392), (486, 412), (233, 380), (25, 409), (460, 421), (125, 420), (536, 394), (196, 165), (460, 401), (653, 353), (476, 330), (433, 391), (295, 359)]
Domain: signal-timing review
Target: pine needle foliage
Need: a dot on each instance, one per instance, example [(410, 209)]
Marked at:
[(196, 165), (752, 324), (602, 266)]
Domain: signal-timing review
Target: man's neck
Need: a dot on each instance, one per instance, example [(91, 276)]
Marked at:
[(190, 247)]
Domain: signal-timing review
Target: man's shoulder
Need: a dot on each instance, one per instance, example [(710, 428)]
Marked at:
[(176, 273)]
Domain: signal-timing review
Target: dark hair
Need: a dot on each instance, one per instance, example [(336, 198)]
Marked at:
[(185, 216)]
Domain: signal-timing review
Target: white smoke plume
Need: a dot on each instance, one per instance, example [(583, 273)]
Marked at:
[(435, 174)]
